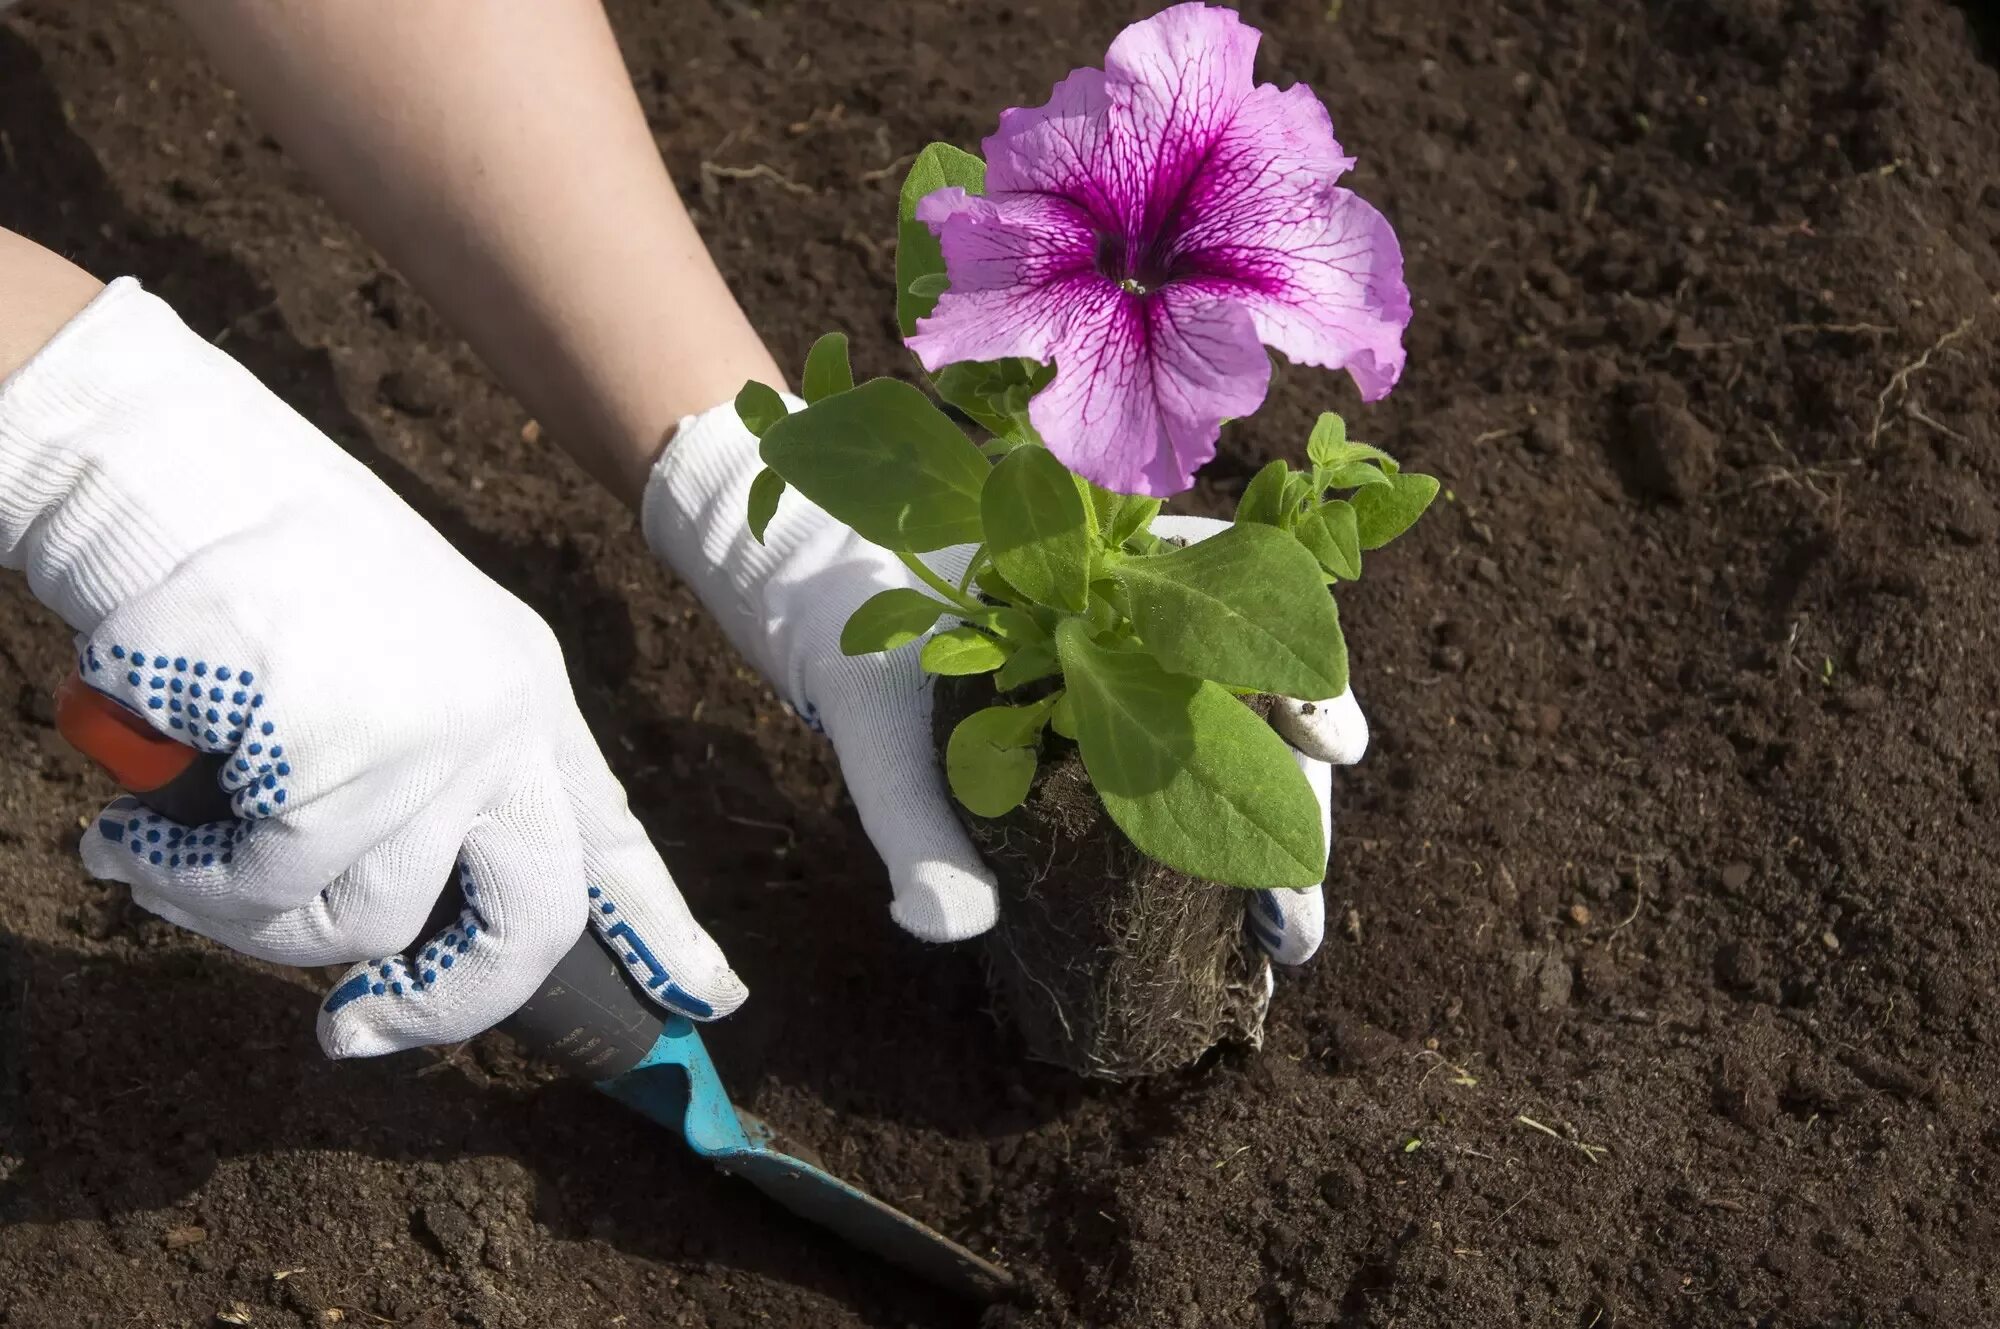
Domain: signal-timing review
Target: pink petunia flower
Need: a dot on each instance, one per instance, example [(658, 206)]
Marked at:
[(1150, 230)]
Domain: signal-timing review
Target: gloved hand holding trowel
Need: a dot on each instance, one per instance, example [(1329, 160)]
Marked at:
[(385, 715)]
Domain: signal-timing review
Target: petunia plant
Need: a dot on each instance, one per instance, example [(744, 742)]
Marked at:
[(1096, 296)]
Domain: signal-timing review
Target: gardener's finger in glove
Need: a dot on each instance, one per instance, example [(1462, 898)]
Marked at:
[(783, 602), (1290, 924), (940, 888), (381, 709), (1333, 731)]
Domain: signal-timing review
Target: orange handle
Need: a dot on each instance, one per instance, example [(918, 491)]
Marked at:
[(140, 758)]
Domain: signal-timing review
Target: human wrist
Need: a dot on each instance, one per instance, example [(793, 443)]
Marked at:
[(42, 292)]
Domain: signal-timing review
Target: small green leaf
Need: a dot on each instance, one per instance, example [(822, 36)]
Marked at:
[(1328, 439), (963, 651), (887, 462), (996, 587), (1352, 475), (1329, 531), (1299, 490), (759, 407), (1134, 515), (1016, 626), (827, 370), (990, 757), (1062, 718), (765, 491), (1190, 773), (1384, 512), (938, 166), (930, 286), (1036, 660), (889, 619), (1263, 500), (995, 393), (1246, 607), (1329, 447), (1037, 529)]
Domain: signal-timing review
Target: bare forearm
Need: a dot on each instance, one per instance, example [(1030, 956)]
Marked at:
[(497, 155), (39, 292)]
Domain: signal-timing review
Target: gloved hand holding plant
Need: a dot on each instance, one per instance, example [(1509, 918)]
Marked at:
[(1097, 295)]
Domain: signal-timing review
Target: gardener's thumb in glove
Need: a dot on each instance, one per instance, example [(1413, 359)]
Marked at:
[(783, 602), (387, 717)]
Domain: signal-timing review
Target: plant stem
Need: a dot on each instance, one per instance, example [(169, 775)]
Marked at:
[(944, 588), (972, 569)]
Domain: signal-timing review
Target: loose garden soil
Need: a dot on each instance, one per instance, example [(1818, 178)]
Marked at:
[(1664, 923)]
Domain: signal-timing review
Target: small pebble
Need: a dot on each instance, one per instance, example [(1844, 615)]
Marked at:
[(179, 1238), (1736, 876), (1579, 914), (1354, 925)]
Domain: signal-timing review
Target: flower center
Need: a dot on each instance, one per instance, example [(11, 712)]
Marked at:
[(1135, 276)]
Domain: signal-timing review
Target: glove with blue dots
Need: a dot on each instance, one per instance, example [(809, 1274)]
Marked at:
[(783, 602), (388, 717)]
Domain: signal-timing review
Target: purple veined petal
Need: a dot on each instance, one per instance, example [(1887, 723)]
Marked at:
[(1016, 267), (1143, 384), (1060, 147), (1325, 287)]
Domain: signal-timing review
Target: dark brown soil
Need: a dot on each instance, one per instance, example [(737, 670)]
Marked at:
[(1107, 963), (1666, 926)]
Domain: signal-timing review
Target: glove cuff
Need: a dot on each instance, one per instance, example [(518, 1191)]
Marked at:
[(122, 441)]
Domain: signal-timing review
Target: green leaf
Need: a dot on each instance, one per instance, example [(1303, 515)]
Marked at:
[(930, 286), (765, 491), (1352, 475), (1263, 500), (963, 651), (1329, 531), (1062, 718), (1329, 446), (889, 619), (1034, 661), (938, 166), (1134, 515), (1299, 490), (1190, 773), (887, 462), (1328, 439), (1036, 528), (996, 587), (759, 407), (1246, 607), (995, 393), (1384, 512), (827, 370), (990, 757)]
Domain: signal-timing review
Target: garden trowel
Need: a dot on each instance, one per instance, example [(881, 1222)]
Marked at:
[(588, 1017)]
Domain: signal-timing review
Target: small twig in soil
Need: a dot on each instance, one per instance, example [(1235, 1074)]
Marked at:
[(1900, 380), (1232, 1157), (1918, 415), (710, 172), (1590, 1151), (1460, 1076), (884, 172), (791, 836)]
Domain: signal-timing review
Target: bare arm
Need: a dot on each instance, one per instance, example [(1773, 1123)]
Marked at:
[(39, 292), (497, 155)]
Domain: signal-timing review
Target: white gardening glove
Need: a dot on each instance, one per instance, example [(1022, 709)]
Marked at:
[(783, 603), (390, 715)]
